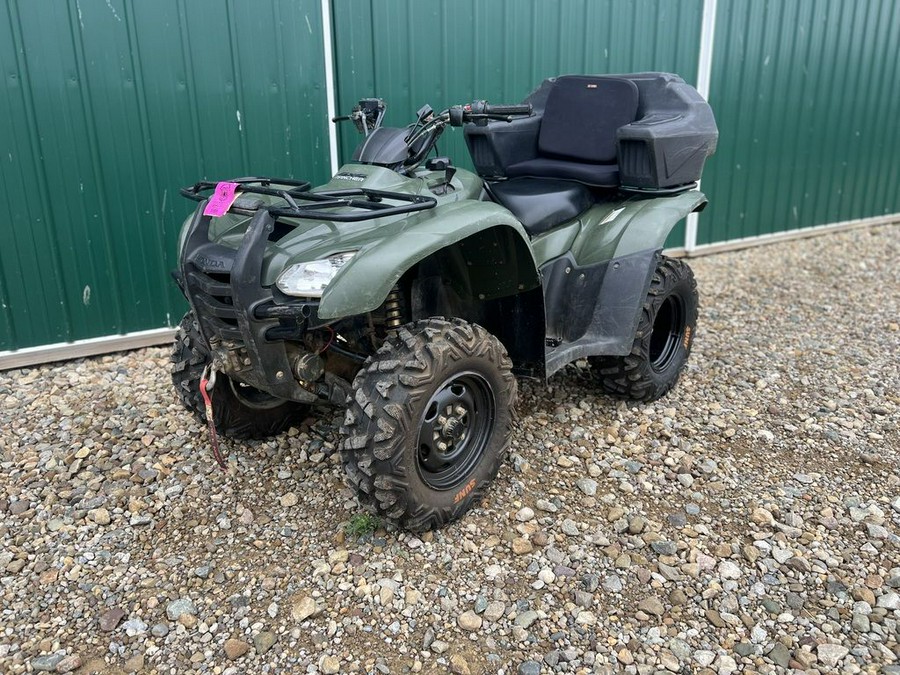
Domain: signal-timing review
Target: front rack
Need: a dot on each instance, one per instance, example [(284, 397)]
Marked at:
[(324, 203)]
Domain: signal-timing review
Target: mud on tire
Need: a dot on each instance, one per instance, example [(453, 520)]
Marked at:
[(240, 412), (663, 339), (435, 382)]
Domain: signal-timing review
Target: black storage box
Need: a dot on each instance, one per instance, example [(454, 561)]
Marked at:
[(665, 147), (675, 131)]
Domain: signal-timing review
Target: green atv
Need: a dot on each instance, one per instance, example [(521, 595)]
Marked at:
[(411, 291)]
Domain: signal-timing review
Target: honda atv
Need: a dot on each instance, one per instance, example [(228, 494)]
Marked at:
[(412, 292)]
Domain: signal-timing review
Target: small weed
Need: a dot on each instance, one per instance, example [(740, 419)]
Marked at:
[(361, 524)]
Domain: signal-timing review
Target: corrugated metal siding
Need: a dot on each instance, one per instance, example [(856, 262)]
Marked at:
[(109, 107), (807, 97), (411, 53)]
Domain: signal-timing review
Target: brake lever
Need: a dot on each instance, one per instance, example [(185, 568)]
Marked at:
[(425, 112), (481, 118)]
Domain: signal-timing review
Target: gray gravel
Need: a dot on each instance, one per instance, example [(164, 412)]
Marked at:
[(747, 522)]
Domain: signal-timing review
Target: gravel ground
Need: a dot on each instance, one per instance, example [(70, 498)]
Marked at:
[(747, 522)]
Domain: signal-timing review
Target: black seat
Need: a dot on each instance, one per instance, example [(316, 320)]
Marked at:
[(541, 204), (577, 138)]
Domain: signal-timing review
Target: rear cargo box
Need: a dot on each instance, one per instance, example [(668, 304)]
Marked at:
[(675, 131)]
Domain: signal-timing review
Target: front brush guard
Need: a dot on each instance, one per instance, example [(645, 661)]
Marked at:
[(269, 367)]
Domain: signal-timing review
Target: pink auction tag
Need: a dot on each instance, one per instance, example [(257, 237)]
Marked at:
[(222, 199)]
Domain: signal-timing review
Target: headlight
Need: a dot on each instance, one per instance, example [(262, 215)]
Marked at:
[(309, 279)]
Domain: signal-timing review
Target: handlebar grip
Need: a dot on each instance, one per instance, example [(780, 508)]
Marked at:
[(515, 109), (479, 112), (340, 118)]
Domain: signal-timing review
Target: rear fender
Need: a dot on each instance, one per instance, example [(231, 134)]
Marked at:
[(594, 294), (633, 225), (651, 225), (365, 281)]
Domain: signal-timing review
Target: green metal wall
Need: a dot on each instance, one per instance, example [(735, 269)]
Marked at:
[(410, 52), (806, 92), (106, 109), (807, 98)]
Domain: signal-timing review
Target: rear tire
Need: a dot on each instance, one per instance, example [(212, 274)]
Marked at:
[(240, 412), (662, 343), (429, 422)]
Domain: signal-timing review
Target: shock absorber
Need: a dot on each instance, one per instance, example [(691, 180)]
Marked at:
[(393, 308)]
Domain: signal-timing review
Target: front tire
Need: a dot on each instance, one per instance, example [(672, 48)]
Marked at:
[(662, 343), (429, 422), (239, 411)]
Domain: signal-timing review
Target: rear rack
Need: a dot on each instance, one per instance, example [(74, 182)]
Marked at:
[(324, 203)]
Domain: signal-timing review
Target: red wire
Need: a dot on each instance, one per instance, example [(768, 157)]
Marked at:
[(330, 340), (211, 424)]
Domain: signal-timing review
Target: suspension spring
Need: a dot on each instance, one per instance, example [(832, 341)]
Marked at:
[(393, 310)]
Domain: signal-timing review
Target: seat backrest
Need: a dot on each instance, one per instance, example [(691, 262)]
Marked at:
[(582, 115)]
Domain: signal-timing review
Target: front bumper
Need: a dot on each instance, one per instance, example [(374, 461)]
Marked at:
[(244, 324)]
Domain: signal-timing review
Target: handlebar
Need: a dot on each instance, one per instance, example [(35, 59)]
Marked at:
[(421, 136), (481, 111)]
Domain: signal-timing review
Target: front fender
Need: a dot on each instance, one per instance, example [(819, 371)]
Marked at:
[(365, 281)]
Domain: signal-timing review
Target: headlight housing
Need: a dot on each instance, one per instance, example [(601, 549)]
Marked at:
[(309, 279)]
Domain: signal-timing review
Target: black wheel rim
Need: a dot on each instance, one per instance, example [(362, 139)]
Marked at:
[(252, 397), (454, 430), (667, 334)]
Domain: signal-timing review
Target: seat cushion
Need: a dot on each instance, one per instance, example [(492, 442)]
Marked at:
[(541, 204), (601, 175), (582, 115)]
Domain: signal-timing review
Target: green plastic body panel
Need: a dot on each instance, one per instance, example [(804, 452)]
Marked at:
[(364, 283), (313, 239), (617, 228), (385, 247)]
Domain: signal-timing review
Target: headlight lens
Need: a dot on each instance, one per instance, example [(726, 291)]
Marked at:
[(309, 279)]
